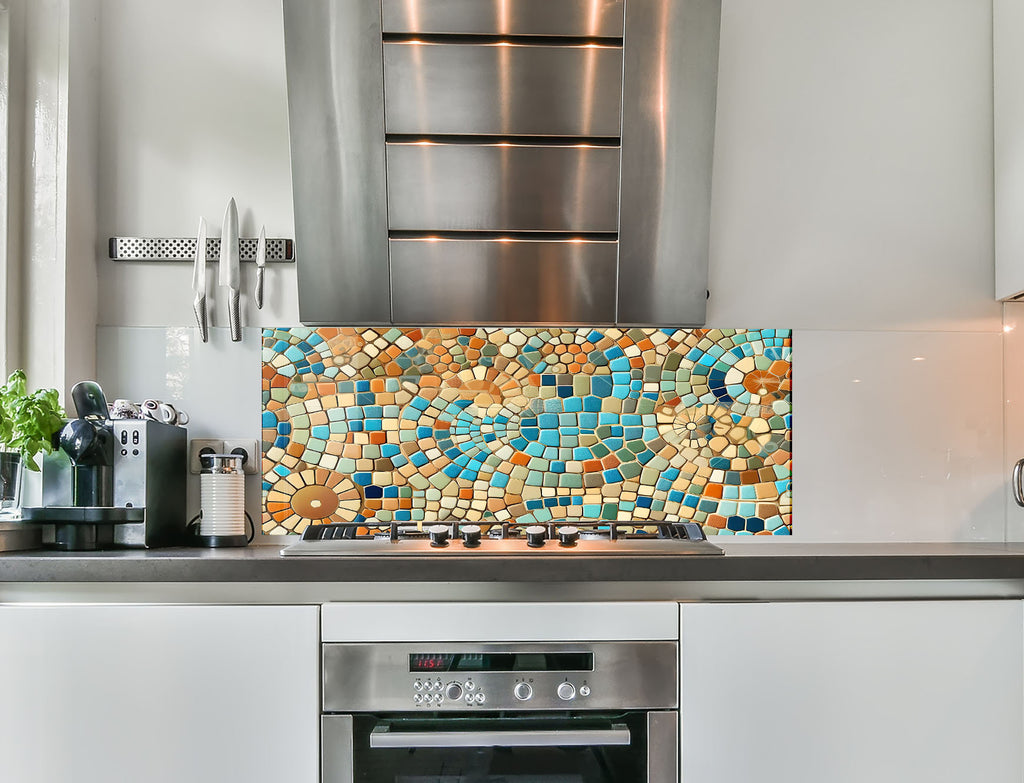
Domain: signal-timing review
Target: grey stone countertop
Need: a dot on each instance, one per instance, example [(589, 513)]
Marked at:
[(753, 561)]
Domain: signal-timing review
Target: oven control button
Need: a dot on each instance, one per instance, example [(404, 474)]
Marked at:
[(438, 535), (584, 690), (470, 685), (522, 691), (535, 535), (479, 698), (469, 698), (417, 699), (417, 686), (566, 691), (453, 691)]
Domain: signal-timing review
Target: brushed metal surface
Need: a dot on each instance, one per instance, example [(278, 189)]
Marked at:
[(383, 737), (596, 18), (502, 187), (502, 89), (150, 472), (336, 122), (376, 677), (336, 748), (494, 281), (670, 81), (420, 547), (15, 536), (662, 747)]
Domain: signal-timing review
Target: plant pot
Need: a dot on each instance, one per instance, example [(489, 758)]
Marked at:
[(11, 469)]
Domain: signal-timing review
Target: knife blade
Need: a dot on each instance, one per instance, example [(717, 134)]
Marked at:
[(261, 262), (229, 275), (199, 282)]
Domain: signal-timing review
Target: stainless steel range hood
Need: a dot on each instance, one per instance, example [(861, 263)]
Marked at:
[(502, 161)]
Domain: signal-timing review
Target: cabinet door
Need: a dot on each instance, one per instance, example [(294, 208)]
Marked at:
[(852, 692), (159, 694), (1008, 119)]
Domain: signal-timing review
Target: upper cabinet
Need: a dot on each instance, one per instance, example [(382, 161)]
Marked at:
[(1008, 169), (477, 161)]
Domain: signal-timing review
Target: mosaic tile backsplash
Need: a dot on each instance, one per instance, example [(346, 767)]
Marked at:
[(491, 425)]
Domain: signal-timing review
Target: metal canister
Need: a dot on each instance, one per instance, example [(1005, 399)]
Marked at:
[(222, 495)]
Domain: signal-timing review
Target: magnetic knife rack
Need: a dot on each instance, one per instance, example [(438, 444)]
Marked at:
[(279, 251)]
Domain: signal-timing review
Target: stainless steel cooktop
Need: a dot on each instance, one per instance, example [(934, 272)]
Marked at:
[(455, 539)]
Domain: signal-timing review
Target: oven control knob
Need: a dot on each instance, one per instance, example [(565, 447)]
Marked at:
[(568, 535), (566, 691), (470, 685), (453, 691), (522, 691), (470, 535), (535, 535), (438, 535), (584, 690)]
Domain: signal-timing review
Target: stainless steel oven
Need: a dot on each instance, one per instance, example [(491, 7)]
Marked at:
[(519, 712)]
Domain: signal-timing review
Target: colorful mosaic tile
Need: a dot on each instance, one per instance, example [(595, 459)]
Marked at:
[(491, 425)]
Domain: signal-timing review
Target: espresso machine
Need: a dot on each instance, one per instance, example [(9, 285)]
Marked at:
[(113, 483)]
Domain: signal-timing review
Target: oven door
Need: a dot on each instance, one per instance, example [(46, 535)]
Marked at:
[(630, 747)]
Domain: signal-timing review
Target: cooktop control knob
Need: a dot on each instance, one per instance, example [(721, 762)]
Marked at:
[(566, 691), (522, 691), (568, 535), (471, 535), (535, 535), (438, 535), (453, 691)]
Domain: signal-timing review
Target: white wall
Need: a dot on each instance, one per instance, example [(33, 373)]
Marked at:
[(852, 202), (194, 112)]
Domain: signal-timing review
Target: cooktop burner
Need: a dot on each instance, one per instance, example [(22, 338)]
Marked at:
[(560, 537)]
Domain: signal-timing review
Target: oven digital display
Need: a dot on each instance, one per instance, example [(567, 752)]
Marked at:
[(502, 662)]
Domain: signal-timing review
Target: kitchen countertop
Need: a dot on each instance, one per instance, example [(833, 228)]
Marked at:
[(748, 571)]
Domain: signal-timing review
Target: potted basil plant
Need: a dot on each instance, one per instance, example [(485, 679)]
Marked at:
[(28, 423)]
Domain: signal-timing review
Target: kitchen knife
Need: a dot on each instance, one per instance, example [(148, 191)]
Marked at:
[(229, 276), (261, 262), (199, 281)]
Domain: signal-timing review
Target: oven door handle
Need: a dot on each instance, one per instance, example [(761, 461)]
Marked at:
[(382, 737)]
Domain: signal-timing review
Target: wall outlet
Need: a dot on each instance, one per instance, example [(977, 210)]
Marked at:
[(199, 446), (249, 448)]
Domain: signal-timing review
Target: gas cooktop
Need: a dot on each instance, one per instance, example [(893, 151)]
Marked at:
[(453, 538)]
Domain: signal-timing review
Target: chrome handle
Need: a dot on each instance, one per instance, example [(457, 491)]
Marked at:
[(383, 737), (199, 307), (234, 319), (1018, 490)]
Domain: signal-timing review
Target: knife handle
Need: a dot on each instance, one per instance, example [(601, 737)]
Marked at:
[(258, 294), (234, 317), (199, 306)]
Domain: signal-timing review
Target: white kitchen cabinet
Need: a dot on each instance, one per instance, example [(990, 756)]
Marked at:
[(852, 692), (159, 694), (1008, 135)]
